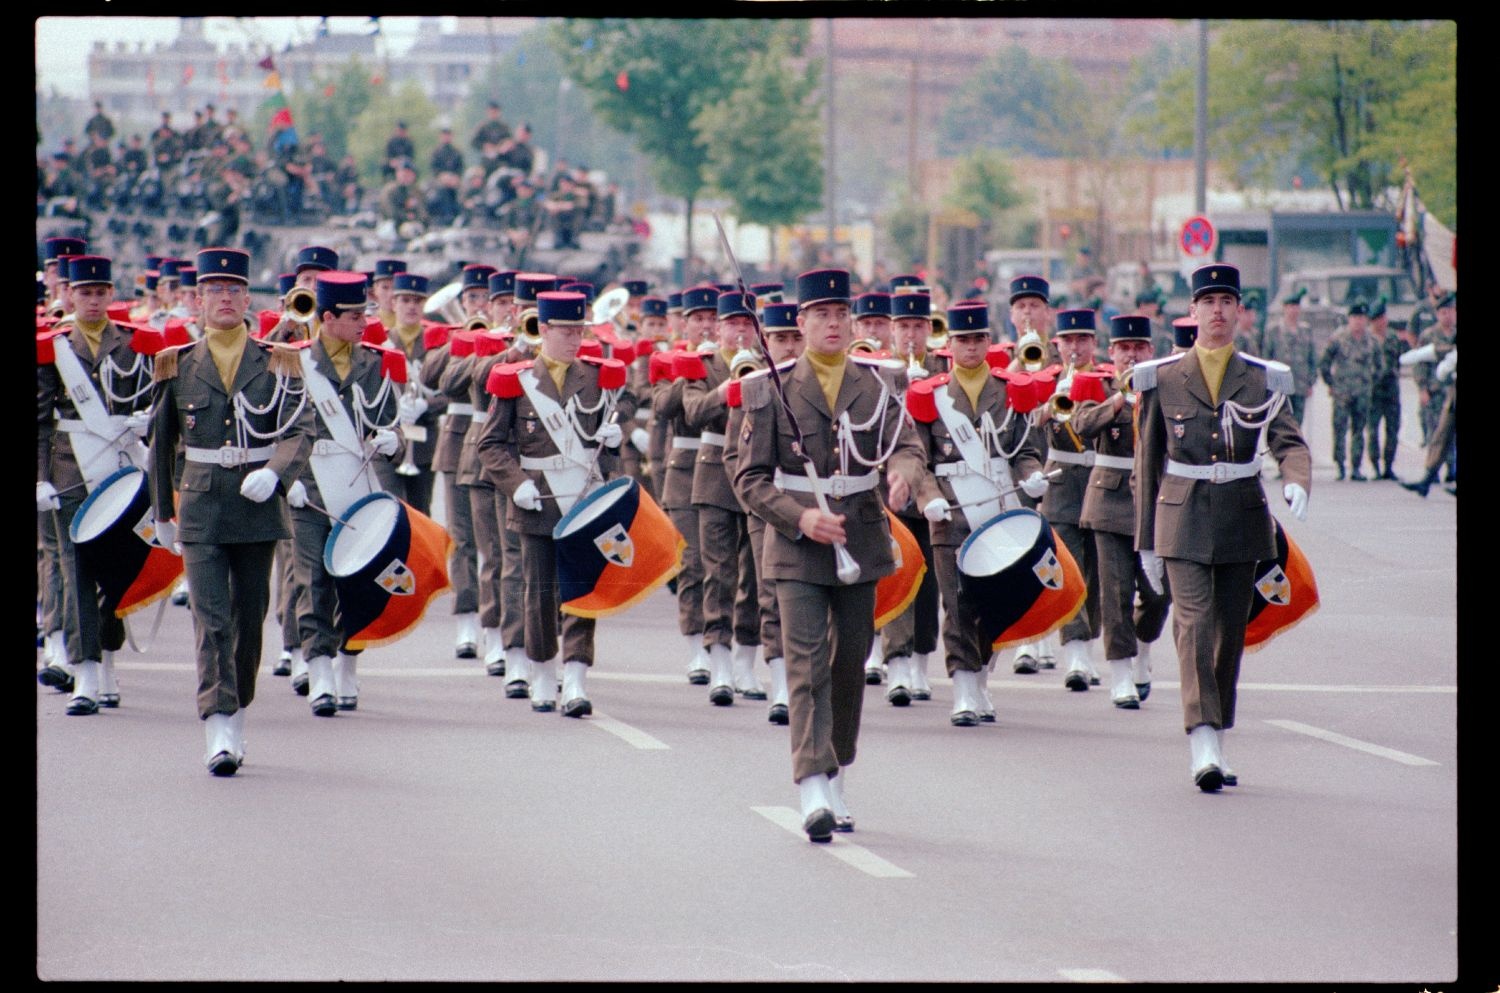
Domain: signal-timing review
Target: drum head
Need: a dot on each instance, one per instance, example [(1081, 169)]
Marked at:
[(588, 509), (999, 542), (362, 534), (106, 504)]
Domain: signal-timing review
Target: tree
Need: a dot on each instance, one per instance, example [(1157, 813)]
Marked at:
[(764, 142), (650, 78), (332, 104), (1016, 102), (984, 185), (373, 126), (906, 231)]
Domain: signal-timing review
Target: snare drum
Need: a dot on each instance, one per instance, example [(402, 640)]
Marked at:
[(387, 562), (114, 531), (613, 549), (1017, 579)]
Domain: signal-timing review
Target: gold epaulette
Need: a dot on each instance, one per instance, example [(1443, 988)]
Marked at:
[(284, 360), (165, 364)]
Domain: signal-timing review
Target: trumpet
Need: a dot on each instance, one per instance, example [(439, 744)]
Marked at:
[(301, 305), (939, 336), (528, 329), (1031, 351), (477, 324), (914, 369), (864, 346), (1060, 407), (744, 362)]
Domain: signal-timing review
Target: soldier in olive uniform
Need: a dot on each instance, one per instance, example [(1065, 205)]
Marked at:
[(1290, 342), (1385, 396), (1349, 366), (225, 512), (1432, 391), (1201, 515)]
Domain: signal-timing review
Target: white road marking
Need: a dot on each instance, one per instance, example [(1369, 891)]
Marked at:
[(1089, 976), (860, 858), (1404, 758), (625, 732)]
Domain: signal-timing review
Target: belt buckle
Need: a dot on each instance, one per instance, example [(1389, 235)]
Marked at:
[(1220, 472), (230, 457), (838, 486)]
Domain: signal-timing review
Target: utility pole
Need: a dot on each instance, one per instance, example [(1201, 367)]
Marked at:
[(831, 160), (1200, 125)]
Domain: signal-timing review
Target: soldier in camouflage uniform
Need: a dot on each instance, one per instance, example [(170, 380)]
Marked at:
[(1246, 330), (1350, 366), (1385, 397), (1432, 391), (1291, 342)]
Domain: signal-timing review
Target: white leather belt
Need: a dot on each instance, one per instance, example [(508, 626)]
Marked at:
[(837, 487), (1071, 458), (462, 409), (69, 425), (712, 438), (549, 462), (327, 446), (692, 443), (479, 417), (1219, 472), (959, 468), (643, 414), (1114, 462), (229, 457)]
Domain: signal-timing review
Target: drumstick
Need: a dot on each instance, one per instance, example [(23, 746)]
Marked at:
[(338, 520), (1005, 492)]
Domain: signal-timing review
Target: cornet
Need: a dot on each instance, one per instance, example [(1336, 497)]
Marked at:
[(1031, 351), (528, 329), (864, 346), (939, 336), (744, 362), (1060, 407), (477, 324), (301, 305)]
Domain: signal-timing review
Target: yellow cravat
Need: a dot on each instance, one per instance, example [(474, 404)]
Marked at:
[(972, 381), (340, 353), (407, 335), (830, 372), (93, 334), (557, 370), (226, 348), (1213, 362)]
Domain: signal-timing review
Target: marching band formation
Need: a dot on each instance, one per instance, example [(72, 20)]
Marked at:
[(801, 473)]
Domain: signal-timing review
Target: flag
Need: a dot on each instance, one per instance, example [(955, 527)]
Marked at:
[(273, 81), (267, 64), (623, 81), (282, 118)]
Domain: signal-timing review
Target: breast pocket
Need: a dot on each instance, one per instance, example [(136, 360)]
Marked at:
[(1174, 490)]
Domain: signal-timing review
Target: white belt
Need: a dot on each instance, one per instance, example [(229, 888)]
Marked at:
[(1114, 462), (229, 457), (959, 468), (327, 446), (69, 425), (1219, 472), (463, 409), (643, 414), (1071, 458), (549, 462), (479, 417), (712, 438), (692, 443), (835, 486)]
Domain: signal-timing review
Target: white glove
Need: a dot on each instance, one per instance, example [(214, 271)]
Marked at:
[(1151, 565), (140, 423), (46, 497), (1035, 485), (1296, 498), (259, 485), (610, 435), (385, 442), (1447, 368), (166, 536), (938, 510), (527, 496), (296, 495), (408, 409), (640, 439)]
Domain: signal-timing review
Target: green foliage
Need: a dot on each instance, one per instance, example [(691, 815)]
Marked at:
[(375, 124), (331, 113), (764, 142), (906, 234), (984, 184)]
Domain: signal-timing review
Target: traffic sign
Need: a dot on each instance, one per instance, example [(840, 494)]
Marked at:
[(1197, 237)]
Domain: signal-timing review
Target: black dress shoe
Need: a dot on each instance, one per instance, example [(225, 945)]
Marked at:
[(517, 688), (180, 598), (1358, 476), (495, 668), (988, 717), (1048, 663), (964, 719), (1419, 488), (921, 695), (299, 684), (1209, 779), (872, 677), (1128, 704), (843, 825), (82, 706), (779, 714), (756, 694), (283, 666), (1388, 474), (544, 707), (1025, 665), (819, 825), (223, 764), (348, 703), (1143, 690), (466, 651), (577, 707), (325, 706), (698, 677), (1341, 472), (1077, 681), (899, 696), (721, 696), (57, 678), (109, 700), (1230, 779)]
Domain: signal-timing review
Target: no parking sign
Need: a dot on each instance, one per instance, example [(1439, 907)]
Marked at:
[(1197, 237)]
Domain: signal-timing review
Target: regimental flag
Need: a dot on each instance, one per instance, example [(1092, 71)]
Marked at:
[(1017, 580), (1285, 592), (114, 531), (614, 548), (388, 561), (895, 592)]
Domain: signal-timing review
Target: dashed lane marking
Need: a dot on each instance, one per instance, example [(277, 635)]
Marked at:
[(1405, 758), (857, 856), (623, 731)]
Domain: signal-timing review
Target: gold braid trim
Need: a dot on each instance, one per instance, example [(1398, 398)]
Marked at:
[(284, 360), (165, 366)]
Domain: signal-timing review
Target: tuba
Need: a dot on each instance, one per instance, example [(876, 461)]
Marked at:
[(301, 305), (445, 304)]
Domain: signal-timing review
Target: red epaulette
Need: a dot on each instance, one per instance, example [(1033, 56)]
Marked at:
[(919, 401), (392, 361), (611, 371), (505, 379)]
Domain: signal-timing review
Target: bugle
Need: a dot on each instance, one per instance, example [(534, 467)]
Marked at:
[(301, 305)]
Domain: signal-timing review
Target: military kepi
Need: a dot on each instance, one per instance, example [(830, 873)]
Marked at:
[(478, 275), (387, 268), (410, 283), (1075, 322), (1029, 286), (969, 318), (312, 257), (1216, 278), (822, 286), (553, 307), (872, 305), (84, 270), (780, 317), (1184, 332), (223, 263), (58, 247), (340, 291), (736, 304), (699, 298), (1130, 327), (502, 283), (911, 305)]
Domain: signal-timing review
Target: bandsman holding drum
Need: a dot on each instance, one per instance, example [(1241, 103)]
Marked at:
[(546, 429), (1109, 514), (980, 451), (807, 465), (1201, 516), (247, 432)]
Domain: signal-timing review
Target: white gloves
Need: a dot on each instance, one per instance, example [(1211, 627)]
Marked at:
[(1035, 485), (296, 495), (938, 510), (610, 435), (527, 496), (1151, 565), (166, 536), (1296, 498), (46, 497), (259, 485), (1447, 368), (640, 439), (408, 409), (140, 423), (385, 442)]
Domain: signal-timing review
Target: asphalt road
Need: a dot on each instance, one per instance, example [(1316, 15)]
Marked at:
[(443, 832)]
